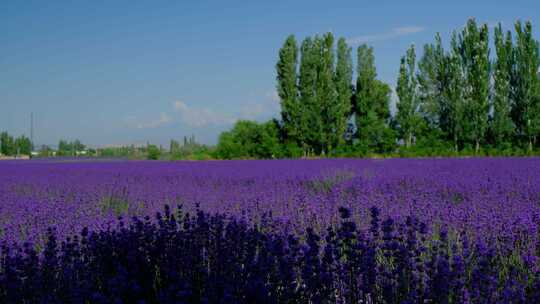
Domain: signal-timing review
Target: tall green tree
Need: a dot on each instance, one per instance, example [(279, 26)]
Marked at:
[(269, 145), (474, 51), (408, 117), (453, 97), (287, 88), (65, 148), (441, 89), (7, 144), (365, 84), (310, 115), (372, 104), (326, 94), (502, 126), (525, 112), (23, 145), (78, 146), (343, 83), (174, 147), (431, 77)]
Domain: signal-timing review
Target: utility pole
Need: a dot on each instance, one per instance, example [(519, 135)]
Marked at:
[(31, 132)]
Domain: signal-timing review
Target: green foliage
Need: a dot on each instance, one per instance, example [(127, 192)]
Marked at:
[(174, 148), (229, 147), (7, 144), (269, 145), (23, 145), (115, 203), (291, 150), (526, 85), (66, 148), (431, 75), (429, 144), (249, 139), (453, 102), (408, 116), (474, 50), (325, 184), (45, 151), (11, 146), (372, 105), (454, 86), (153, 152), (189, 150), (310, 113), (286, 68), (326, 97), (130, 152), (341, 109), (501, 124)]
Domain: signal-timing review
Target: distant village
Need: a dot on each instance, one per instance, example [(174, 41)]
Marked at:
[(23, 148)]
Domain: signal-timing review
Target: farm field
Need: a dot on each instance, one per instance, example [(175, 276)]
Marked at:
[(487, 197), (454, 221), (269, 153)]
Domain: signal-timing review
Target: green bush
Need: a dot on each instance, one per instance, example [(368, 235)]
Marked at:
[(153, 152)]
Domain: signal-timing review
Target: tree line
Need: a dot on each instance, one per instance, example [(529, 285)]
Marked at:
[(14, 146), (189, 149), (470, 96), (472, 100), (464, 98), (70, 148)]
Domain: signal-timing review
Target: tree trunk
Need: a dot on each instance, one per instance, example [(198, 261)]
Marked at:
[(477, 147)]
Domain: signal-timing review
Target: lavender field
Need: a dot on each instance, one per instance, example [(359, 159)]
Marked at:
[(446, 213), (488, 197)]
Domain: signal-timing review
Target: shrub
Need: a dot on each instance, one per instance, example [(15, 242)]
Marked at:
[(153, 152)]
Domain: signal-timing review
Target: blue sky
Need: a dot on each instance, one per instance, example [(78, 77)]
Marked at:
[(120, 72)]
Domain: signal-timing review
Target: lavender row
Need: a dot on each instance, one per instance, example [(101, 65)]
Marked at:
[(179, 258), (492, 198)]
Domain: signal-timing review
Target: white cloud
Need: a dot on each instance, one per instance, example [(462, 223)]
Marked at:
[(405, 30), (263, 109), (201, 117), (163, 119), (394, 33)]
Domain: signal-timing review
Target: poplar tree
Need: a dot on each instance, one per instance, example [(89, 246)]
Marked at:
[(441, 89), (372, 100), (310, 123), (287, 89), (365, 84), (474, 51), (502, 126), (343, 83), (453, 87), (174, 147), (431, 74), (325, 94), (7, 144), (23, 145), (407, 115), (525, 112)]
